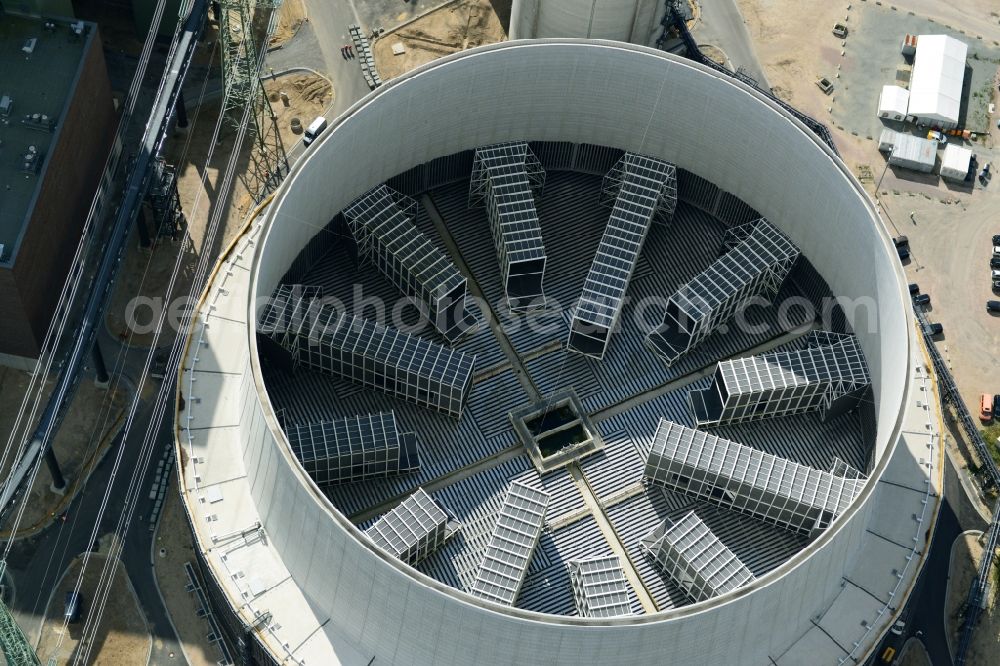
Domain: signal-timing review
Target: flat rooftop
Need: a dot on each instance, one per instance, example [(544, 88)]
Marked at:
[(41, 83)]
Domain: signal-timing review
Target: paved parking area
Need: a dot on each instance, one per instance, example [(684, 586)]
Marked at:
[(872, 59), (951, 248)]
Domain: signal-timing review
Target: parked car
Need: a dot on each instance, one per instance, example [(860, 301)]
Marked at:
[(900, 241), (922, 299), (996, 239), (897, 628), (994, 262), (914, 288), (995, 275), (73, 607), (934, 329), (903, 251), (996, 285), (158, 369), (986, 407), (996, 250), (934, 135), (996, 404), (993, 306)]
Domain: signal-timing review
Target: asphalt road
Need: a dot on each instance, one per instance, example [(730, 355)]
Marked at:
[(924, 613), (722, 25), (329, 24), (36, 564)]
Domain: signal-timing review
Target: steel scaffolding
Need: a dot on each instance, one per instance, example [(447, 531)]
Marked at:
[(506, 177), (413, 530), (747, 480), (165, 201), (599, 587), (244, 27), (381, 221), (512, 544), (367, 446), (757, 259), (694, 557), (828, 374), (640, 189)]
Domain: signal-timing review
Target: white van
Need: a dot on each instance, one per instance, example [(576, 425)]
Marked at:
[(315, 128)]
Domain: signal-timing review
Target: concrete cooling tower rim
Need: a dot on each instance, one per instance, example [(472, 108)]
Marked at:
[(816, 181)]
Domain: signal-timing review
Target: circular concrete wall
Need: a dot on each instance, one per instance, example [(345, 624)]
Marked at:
[(600, 93)]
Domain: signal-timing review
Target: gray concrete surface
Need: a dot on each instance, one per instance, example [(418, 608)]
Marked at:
[(302, 50), (722, 25), (872, 59), (951, 249), (329, 21)]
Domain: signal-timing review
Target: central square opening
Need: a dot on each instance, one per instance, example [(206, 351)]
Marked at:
[(556, 431)]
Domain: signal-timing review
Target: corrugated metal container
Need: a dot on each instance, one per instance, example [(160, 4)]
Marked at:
[(887, 139), (912, 152), (955, 162)]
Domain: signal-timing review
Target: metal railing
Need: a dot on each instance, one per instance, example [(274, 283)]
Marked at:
[(949, 394)]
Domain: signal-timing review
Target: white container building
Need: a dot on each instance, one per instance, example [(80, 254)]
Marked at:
[(887, 139), (955, 162), (893, 102), (912, 152), (936, 82)]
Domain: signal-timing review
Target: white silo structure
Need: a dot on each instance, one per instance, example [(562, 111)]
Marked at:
[(621, 20)]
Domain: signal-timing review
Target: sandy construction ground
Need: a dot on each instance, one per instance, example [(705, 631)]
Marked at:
[(460, 25), (93, 418), (291, 14), (121, 639), (795, 47), (174, 537)]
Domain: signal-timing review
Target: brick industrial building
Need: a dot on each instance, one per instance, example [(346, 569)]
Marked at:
[(57, 122)]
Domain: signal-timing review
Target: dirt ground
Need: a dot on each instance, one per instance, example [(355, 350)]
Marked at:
[(145, 275), (147, 272), (913, 654), (308, 96), (199, 200), (796, 48), (460, 25), (780, 31), (92, 410), (714, 53), (122, 637), (967, 554), (174, 536), (291, 14), (950, 245)]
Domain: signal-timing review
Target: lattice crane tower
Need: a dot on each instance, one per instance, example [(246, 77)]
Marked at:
[(244, 26)]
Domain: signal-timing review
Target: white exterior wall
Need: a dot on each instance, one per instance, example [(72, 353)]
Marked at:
[(936, 81), (955, 162), (893, 102), (620, 20), (611, 94)]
